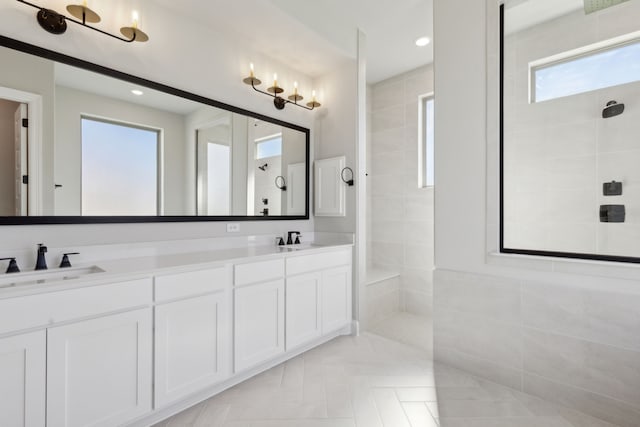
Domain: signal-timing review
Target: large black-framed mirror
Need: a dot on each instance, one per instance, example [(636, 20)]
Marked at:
[(570, 81), (83, 143)]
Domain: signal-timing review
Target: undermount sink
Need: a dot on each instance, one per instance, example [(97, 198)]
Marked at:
[(38, 277), (299, 247)]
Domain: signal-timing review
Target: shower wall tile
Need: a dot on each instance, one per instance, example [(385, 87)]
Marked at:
[(611, 371), (589, 402), (488, 339), (577, 345), (387, 118), (388, 94), (401, 221), (602, 317)]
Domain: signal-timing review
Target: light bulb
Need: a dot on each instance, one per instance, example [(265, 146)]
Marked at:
[(135, 17), (251, 67), (275, 80), (295, 88)]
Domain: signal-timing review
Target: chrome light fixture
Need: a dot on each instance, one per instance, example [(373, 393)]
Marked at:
[(274, 91), (56, 23)]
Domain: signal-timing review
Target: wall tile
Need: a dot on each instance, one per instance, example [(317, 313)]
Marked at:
[(601, 369), (594, 404), (600, 316), (491, 297), (478, 337), (388, 94), (388, 118)]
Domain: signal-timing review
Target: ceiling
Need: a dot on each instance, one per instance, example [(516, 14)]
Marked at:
[(523, 14), (314, 37)]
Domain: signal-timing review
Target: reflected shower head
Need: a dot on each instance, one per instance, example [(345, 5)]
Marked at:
[(612, 109), (263, 167), (591, 6)]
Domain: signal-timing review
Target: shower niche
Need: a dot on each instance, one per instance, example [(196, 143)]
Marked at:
[(570, 184)]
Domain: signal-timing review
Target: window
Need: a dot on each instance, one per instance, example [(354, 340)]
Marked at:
[(426, 141), (119, 169), (583, 72), (269, 146)]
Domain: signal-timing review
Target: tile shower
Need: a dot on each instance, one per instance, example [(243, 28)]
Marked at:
[(399, 213)]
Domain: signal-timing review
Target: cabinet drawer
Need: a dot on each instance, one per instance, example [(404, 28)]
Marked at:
[(259, 271), (181, 285), (315, 262), (45, 309)]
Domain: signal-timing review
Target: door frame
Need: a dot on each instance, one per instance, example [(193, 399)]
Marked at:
[(34, 145)]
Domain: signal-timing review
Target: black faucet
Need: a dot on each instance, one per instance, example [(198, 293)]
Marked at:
[(290, 240), (65, 263), (13, 265), (41, 263)]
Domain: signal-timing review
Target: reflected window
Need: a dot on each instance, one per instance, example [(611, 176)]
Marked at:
[(269, 146), (585, 72), (119, 169), (426, 141)]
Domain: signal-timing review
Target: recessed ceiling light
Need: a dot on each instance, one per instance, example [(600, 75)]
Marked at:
[(137, 92), (423, 41)]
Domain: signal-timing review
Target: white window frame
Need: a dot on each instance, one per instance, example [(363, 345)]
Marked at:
[(422, 140), (575, 54)]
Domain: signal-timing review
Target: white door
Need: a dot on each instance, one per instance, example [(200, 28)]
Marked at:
[(336, 298), (303, 321), (191, 341), (21, 152), (23, 360), (296, 189), (99, 371), (329, 188), (259, 323)]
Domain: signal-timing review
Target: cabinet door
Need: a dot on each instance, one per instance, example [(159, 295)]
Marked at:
[(99, 371), (329, 189), (303, 321), (23, 361), (259, 323), (336, 298), (191, 342)]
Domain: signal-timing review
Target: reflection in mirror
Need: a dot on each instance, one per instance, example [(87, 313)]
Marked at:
[(96, 145), (570, 181)]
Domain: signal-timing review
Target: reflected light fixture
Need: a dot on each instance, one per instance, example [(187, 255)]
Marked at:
[(274, 91), (56, 23), (423, 41)]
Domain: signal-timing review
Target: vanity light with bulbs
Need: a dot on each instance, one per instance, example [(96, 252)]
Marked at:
[(275, 91)]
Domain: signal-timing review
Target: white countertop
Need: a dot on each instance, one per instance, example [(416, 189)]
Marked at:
[(147, 266)]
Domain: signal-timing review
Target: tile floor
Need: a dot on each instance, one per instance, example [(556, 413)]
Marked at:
[(371, 381)]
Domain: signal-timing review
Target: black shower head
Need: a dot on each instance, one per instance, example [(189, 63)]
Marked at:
[(612, 109), (263, 167)]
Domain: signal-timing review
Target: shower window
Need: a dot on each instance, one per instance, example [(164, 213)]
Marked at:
[(569, 180), (582, 70)]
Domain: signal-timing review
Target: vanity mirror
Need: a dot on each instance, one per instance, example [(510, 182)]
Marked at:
[(570, 182), (80, 143)]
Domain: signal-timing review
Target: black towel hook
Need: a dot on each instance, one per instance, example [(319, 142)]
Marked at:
[(349, 182)]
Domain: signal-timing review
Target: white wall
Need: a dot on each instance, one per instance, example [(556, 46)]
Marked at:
[(336, 127), (401, 213), (561, 329), (72, 104), (7, 156), (173, 56)]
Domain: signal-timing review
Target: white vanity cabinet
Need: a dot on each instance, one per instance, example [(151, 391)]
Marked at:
[(318, 295), (99, 370), (23, 380), (192, 332), (303, 324), (258, 312)]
